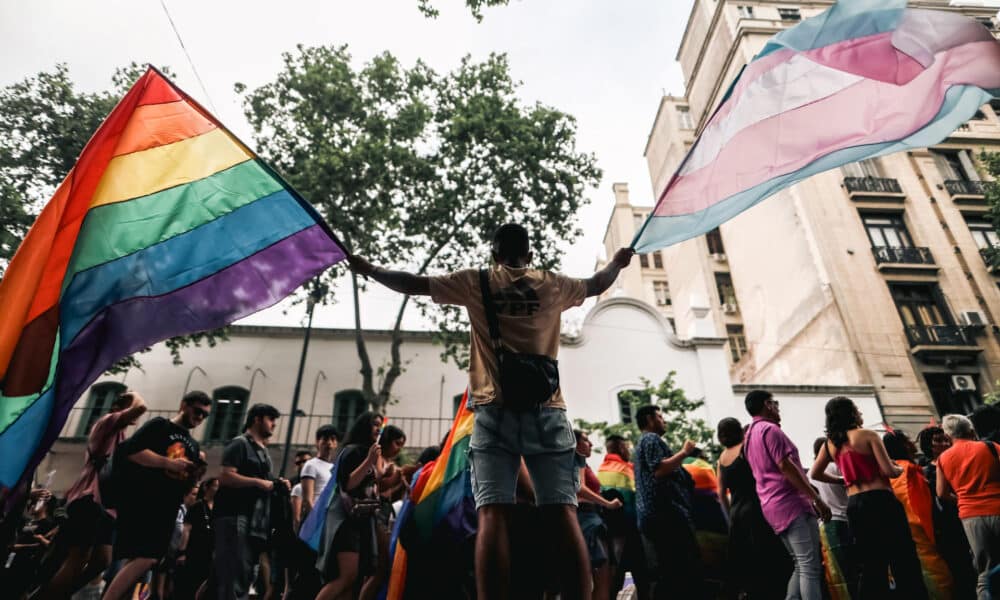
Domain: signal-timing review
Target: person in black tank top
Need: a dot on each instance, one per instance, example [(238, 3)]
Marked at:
[(757, 564)]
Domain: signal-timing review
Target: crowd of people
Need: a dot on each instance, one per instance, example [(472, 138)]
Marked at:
[(876, 516)]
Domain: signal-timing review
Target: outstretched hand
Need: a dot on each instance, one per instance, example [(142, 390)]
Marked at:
[(360, 265), (623, 257)]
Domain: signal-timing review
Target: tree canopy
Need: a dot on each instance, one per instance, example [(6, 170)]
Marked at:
[(415, 169)]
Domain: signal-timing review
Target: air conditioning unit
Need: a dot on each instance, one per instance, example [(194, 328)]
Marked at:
[(963, 383), (973, 317), (719, 256), (730, 308)]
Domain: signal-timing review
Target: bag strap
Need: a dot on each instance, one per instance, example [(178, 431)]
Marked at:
[(490, 308)]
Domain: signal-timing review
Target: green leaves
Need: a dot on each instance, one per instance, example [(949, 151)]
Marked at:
[(416, 169), (677, 409)]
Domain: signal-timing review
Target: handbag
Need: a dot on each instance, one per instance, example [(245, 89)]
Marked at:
[(526, 380)]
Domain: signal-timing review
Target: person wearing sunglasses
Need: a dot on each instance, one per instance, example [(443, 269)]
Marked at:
[(162, 461)]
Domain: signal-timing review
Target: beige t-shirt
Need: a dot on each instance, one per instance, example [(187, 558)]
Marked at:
[(529, 305)]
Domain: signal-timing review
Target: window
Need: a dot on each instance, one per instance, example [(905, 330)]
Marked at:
[(746, 12), (737, 342), (886, 230), (662, 293), (995, 105), (638, 219), (625, 406), (714, 239), (865, 168), (229, 404), (789, 14), (657, 260), (644, 261), (98, 404), (955, 165), (727, 294), (919, 305), (979, 116), (347, 405), (684, 120), (983, 232)]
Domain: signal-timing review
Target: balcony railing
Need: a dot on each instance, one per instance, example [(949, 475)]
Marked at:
[(420, 431), (939, 335), (875, 185), (900, 255), (961, 187), (988, 254)]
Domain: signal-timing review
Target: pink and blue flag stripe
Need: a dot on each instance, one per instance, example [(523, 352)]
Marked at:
[(863, 79)]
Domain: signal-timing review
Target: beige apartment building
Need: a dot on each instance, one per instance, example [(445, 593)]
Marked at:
[(867, 275)]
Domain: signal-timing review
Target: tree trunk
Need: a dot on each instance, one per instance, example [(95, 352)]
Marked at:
[(367, 386)]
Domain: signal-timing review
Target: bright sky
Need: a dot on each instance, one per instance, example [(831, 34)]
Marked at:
[(606, 63)]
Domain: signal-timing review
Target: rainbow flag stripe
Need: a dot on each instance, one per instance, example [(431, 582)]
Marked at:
[(863, 79), (167, 225), (439, 494)]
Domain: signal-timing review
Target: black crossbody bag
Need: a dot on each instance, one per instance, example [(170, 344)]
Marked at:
[(526, 380)]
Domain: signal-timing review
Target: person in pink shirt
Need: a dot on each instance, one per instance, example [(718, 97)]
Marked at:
[(89, 527), (790, 505)]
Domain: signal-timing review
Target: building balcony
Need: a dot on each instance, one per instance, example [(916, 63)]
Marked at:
[(962, 190), (987, 254), (945, 344), (877, 189), (897, 259)]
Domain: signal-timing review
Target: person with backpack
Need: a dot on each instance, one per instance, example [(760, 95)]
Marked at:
[(242, 519), (150, 473), (87, 533), (514, 311), (969, 473)]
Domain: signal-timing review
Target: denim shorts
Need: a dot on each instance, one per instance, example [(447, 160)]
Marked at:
[(544, 437)]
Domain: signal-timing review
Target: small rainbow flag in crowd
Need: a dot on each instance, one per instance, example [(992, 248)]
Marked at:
[(863, 79), (167, 225), (441, 496), (618, 475)]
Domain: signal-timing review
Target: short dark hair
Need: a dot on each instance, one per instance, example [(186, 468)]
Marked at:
[(896, 446), (511, 241), (730, 432), (302, 453), (818, 444), (754, 401), (986, 420), (327, 432), (428, 454), (613, 443), (925, 439), (644, 414), (197, 397), (258, 411)]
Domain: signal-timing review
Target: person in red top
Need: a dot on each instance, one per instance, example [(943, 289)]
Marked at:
[(969, 472), (89, 527), (595, 532)]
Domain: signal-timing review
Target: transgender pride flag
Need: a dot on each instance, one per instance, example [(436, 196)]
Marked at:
[(863, 79)]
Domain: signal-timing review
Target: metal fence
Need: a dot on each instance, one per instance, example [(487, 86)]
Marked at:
[(879, 185), (957, 187), (940, 335), (898, 254), (420, 431)]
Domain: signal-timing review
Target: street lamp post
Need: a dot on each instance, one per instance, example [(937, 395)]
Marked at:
[(252, 377), (312, 406), (315, 295)]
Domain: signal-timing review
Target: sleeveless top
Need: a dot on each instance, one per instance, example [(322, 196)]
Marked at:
[(857, 467), (740, 482)]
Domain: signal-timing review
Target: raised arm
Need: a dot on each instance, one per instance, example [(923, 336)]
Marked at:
[(398, 281), (600, 281), (133, 412), (818, 471), (669, 465)]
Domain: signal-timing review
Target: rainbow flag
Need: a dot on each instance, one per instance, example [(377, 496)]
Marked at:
[(617, 474), (167, 225), (863, 79), (441, 498)]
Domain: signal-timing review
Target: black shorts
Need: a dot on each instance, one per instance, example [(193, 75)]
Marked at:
[(144, 530), (87, 524)]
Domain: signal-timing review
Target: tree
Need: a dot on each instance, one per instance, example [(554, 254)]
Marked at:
[(676, 408), (44, 124), (416, 169), (476, 6)]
